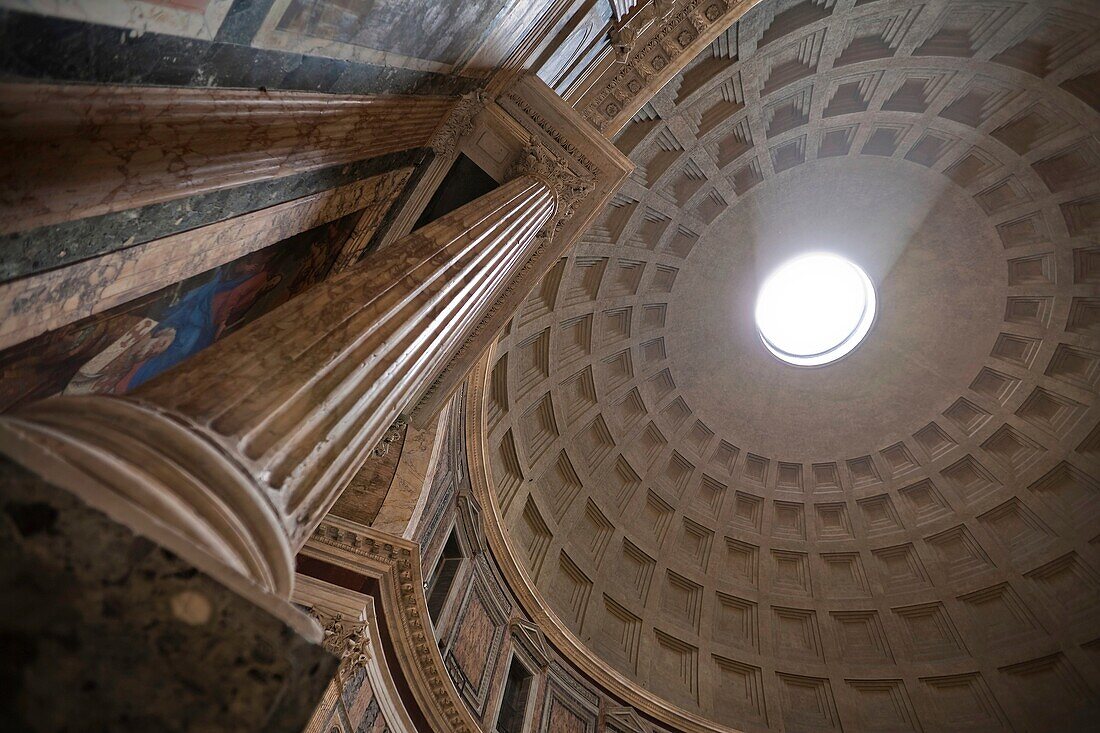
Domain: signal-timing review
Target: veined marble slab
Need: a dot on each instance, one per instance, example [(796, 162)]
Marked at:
[(190, 18), (34, 305)]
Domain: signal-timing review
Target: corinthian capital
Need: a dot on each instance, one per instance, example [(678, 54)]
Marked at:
[(458, 123), (569, 189), (349, 640)]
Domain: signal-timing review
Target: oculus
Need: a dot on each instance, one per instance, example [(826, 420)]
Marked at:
[(814, 309)]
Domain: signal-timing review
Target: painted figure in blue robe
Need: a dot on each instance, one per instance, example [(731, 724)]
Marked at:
[(201, 316)]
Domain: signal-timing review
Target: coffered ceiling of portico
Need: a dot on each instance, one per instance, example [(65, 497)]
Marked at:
[(900, 540)]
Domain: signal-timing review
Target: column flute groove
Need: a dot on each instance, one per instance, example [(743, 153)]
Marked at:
[(232, 458)]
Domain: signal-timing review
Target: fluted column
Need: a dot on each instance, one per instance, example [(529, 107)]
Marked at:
[(236, 455)]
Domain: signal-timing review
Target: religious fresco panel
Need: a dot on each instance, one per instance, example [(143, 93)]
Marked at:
[(120, 349)]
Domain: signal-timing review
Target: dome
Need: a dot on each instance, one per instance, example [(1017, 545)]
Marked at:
[(771, 547)]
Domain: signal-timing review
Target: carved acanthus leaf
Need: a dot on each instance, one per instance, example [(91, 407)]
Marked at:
[(458, 123), (349, 640), (569, 189)]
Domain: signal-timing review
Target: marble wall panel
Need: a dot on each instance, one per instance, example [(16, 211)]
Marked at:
[(473, 640), (51, 48), (564, 720), (36, 250), (32, 306), (435, 33), (69, 151), (114, 351), (189, 18)]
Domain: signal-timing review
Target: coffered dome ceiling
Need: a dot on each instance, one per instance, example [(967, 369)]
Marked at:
[(906, 538)]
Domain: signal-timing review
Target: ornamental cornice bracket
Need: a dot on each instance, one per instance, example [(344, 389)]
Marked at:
[(625, 32), (569, 188), (622, 40), (533, 641), (458, 123), (624, 720)]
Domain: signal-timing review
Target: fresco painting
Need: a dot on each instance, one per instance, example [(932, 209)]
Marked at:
[(121, 349)]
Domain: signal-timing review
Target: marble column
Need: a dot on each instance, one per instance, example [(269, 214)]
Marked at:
[(231, 459)]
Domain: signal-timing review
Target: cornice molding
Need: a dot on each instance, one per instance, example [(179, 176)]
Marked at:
[(651, 49), (523, 587), (395, 562)]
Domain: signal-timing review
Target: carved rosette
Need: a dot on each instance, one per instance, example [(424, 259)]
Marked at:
[(569, 189), (349, 640), (457, 124)]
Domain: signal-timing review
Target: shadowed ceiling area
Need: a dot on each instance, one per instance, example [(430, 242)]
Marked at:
[(905, 539)]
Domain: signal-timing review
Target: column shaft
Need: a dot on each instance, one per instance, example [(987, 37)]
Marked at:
[(239, 453)]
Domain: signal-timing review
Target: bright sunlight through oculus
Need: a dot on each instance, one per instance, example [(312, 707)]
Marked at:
[(814, 309)]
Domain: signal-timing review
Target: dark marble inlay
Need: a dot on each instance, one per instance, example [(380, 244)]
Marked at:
[(446, 31), (399, 204), (39, 48), (92, 642), (243, 21), (50, 247)]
